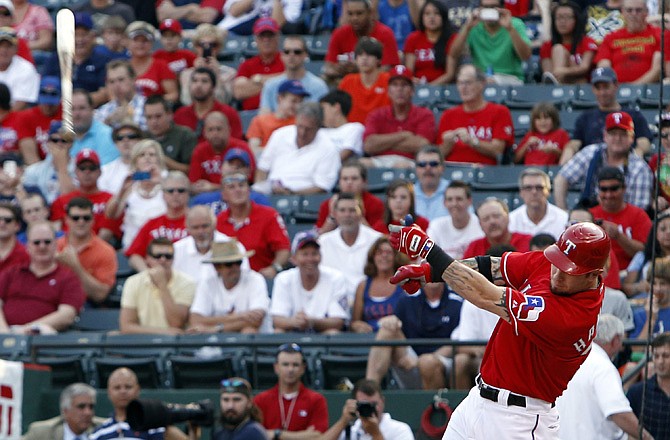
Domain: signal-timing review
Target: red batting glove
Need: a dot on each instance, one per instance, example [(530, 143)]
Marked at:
[(410, 240), (412, 277)]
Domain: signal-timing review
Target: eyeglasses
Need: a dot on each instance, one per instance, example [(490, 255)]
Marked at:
[(46, 241), (57, 140), (238, 178), (90, 168), (85, 217), (635, 10), (293, 51), (291, 347), (85, 405), (533, 187), (166, 255), (612, 188), (175, 190), (665, 135), (129, 136), (424, 164)]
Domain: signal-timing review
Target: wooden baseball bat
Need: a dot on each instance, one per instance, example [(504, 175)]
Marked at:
[(65, 48)]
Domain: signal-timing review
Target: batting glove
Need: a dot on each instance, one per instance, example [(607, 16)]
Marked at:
[(412, 277), (410, 240)]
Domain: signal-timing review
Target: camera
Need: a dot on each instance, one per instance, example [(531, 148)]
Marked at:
[(206, 50), (489, 14), (146, 414), (141, 175), (366, 409)]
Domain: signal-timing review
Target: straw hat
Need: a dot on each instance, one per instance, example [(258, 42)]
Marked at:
[(227, 252)]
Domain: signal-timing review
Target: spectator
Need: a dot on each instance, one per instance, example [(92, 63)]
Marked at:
[(341, 48), (90, 133), (177, 142), (9, 124), (239, 17), (498, 45), (476, 131), (616, 151), (616, 303), (201, 90), (590, 125), (346, 247), (154, 77), (258, 228), (291, 94), (537, 215), (205, 169), (92, 259), (282, 403), (33, 23), (7, 20), (294, 56), (567, 58), (347, 136), (190, 12), (395, 133), (112, 30), (398, 204), (635, 281), (299, 159), (122, 388), (18, 74), (634, 51), (367, 88), (140, 197), (126, 135), (375, 296), (427, 49), (376, 425), (545, 141), (352, 180), (396, 15), (240, 417), (658, 298), (171, 225), (433, 313), (33, 123), (455, 231), (89, 62), (100, 9), (309, 298), (430, 185), (626, 224), (12, 251), (655, 401), (177, 59), (494, 220), (256, 71), (594, 403), (603, 18), (77, 414), (61, 295), (663, 201), (125, 102), (231, 299), (156, 300)]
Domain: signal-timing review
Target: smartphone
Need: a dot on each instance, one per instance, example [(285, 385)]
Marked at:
[(489, 14), (9, 167), (141, 175), (206, 50), (366, 409)]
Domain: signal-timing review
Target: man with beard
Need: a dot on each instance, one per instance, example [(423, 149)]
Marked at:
[(239, 415), (90, 133)]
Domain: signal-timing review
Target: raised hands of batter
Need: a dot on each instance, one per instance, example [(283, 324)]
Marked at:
[(412, 277), (410, 239)]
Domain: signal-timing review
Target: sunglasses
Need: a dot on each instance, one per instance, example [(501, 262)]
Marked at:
[(57, 140), (424, 164), (234, 179), (175, 190), (612, 188), (293, 51), (230, 383), (291, 347), (532, 187), (90, 168), (167, 256), (47, 242), (235, 386), (7, 220), (131, 136), (48, 92), (85, 217)]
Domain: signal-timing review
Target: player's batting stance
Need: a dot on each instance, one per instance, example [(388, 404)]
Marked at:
[(549, 309)]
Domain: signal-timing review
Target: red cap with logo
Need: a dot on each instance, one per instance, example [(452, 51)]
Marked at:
[(620, 120), (581, 248), (171, 25), (266, 24), (87, 155), (401, 71)]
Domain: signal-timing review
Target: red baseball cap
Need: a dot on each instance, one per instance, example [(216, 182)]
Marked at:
[(400, 71), (87, 155), (620, 120), (171, 25), (266, 24)]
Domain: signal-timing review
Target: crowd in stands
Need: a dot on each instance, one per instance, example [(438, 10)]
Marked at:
[(163, 173)]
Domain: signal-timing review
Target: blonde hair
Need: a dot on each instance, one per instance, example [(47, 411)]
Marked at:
[(145, 144), (207, 30)]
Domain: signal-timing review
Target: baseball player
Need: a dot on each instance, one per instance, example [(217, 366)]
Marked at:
[(549, 308)]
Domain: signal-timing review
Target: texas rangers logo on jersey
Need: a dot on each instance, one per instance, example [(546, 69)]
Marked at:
[(531, 309)]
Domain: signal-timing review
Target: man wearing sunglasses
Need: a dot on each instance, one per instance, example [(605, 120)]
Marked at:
[(430, 186), (11, 250), (156, 300)]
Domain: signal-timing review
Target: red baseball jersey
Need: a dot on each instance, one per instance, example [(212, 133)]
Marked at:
[(494, 121), (35, 124), (419, 121), (178, 60), (344, 40), (253, 66), (536, 156), (187, 117), (549, 336), (150, 82), (632, 221), (206, 163), (99, 200), (9, 138), (417, 43), (173, 229), (586, 45), (630, 53), (521, 243)]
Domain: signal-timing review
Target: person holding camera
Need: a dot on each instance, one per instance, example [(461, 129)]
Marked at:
[(363, 417)]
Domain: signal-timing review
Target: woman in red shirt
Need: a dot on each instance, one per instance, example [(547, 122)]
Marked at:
[(399, 202)]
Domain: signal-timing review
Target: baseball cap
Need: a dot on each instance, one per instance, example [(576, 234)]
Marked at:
[(302, 239), (611, 173), (293, 87), (266, 24), (115, 22), (171, 25), (603, 74), (401, 71), (581, 248), (49, 91), (126, 123), (83, 19), (55, 127), (7, 34), (620, 120), (137, 28), (8, 5), (237, 153), (87, 155)]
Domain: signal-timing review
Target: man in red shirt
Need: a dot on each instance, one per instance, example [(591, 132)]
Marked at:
[(9, 123), (289, 405), (340, 55), (476, 131), (11, 251), (201, 88), (190, 12), (494, 220), (634, 51), (171, 225), (205, 169), (395, 133), (33, 123), (627, 225), (177, 59), (254, 72)]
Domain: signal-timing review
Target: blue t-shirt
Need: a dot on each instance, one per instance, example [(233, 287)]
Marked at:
[(398, 19), (661, 325), (214, 201), (113, 429), (89, 75), (376, 309), (249, 431), (420, 320), (590, 125)]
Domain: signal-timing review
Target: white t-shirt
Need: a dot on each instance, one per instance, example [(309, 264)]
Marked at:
[(140, 210), (22, 80), (553, 223), (213, 299), (452, 240), (347, 137), (327, 299), (390, 429), (188, 260), (593, 395), (475, 324), (112, 176)]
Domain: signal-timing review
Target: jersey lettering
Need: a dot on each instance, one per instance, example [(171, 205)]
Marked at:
[(584, 347)]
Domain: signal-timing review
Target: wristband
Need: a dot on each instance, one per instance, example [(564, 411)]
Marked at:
[(439, 261), (277, 267), (484, 266)]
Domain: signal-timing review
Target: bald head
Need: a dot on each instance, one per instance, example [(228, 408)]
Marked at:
[(122, 388), (122, 373), (216, 130)]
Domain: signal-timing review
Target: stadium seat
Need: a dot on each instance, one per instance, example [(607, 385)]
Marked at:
[(340, 344), (192, 372), (286, 205), (498, 178), (652, 94), (146, 369), (584, 98), (480, 196), (317, 45), (629, 94), (233, 48), (460, 171), (259, 371), (99, 320), (65, 370), (526, 96), (294, 228), (426, 95), (124, 270), (568, 120), (335, 368), (13, 347), (245, 117), (251, 49), (521, 122), (315, 66), (69, 355), (379, 178), (308, 208), (494, 93)]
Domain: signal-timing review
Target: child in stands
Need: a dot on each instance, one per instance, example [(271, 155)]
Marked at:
[(545, 140)]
